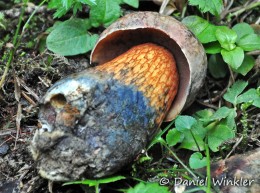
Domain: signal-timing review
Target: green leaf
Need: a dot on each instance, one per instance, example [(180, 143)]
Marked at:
[(104, 12), (197, 161), (217, 67), (234, 57), (60, 12), (204, 115), (247, 64), (248, 96), (221, 113), (201, 28), (133, 3), (257, 103), (213, 6), (77, 7), (226, 37), (212, 48), (173, 137), (71, 38), (233, 92), (192, 142), (219, 135), (2, 20), (230, 120), (88, 2), (67, 4), (63, 6), (148, 188), (184, 122), (96, 182), (242, 29), (249, 42), (194, 138), (54, 4)]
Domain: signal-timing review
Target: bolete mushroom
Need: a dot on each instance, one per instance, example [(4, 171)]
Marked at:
[(148, 68)]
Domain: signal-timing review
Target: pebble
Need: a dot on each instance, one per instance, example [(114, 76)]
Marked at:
[(4, 149)]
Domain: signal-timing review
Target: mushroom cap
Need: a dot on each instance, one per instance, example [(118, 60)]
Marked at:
[(142, 27)]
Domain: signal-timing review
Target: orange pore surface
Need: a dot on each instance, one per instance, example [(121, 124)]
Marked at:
[(150, 68)]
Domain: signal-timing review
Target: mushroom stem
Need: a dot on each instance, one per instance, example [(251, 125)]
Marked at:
[(97, 121), (150, 68)]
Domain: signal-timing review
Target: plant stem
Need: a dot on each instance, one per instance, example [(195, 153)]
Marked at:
[(166, 169), (250, 6), (33, 13), (13, 49), (195, 140), (97, 188), (208, 169), (244, 122), (159, 135), (177, 158)]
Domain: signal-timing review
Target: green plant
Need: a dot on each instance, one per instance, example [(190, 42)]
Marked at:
[(71, 37), (207, 130), (148, 188), (230, 43), (242, 102), (204, 132), (2, 20), (15, 44), (235, 96), (63, 6), (214, 7), (96, 183)]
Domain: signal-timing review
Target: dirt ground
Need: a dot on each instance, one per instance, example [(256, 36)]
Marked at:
[(32, 73)]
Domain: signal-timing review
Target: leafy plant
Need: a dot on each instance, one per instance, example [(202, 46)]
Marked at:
[(63, 6), (214, 6), (212, 128), (197, 161), (235, 97), (243, 101), (2, 19), (230, 43), (208, 130), (208, 127), (148, 188), (96, 183), (71, 37)]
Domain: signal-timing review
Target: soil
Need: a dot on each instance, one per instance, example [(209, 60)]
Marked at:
[(33, 71)]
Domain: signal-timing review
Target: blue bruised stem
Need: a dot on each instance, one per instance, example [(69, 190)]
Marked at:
[(93, 126)]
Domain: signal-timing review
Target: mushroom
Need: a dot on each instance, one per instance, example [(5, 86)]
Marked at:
[(148, 68)]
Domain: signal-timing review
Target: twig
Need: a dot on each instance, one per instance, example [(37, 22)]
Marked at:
[(225, 12), (258, 21), (207, 104), (234, 147), (28, 99), (18, 123), (255, 52), (29, 90), (244, 8)]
